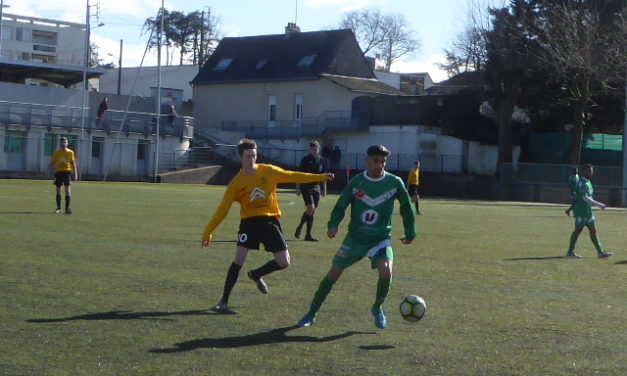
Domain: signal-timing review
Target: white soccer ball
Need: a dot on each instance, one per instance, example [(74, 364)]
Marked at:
[(413, 308)]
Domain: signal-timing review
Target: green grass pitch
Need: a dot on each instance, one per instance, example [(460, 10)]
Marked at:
[(122, 287)]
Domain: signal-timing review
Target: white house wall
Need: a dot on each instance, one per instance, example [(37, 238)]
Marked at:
[(236, 102), (437, 152)]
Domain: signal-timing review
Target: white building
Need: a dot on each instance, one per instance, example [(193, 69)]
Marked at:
[(42, 40), (176, 78), (41, 60)]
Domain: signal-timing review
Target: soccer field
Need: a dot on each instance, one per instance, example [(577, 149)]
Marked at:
[(122, 287)]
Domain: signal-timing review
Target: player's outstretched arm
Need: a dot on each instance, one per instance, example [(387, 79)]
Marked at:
[(330, 176)]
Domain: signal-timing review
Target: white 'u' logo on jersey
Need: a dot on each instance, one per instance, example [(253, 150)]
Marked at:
[(369, 217)]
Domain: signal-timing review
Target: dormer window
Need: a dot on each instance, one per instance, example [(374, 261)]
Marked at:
[(261, 64), (223, 64), (306, 61)]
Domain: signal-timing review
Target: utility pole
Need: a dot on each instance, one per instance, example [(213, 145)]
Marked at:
[(158, 104), (624, 190), (120, 69), (85, 85)]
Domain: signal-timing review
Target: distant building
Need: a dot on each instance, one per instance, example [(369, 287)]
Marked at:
[(40, 51), (42, 40), (287, 87), (41, 60), (175, 81)]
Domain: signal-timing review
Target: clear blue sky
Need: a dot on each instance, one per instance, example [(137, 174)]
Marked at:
[(435, 23)]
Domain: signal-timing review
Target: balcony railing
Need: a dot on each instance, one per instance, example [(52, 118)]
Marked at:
[(28, 114)]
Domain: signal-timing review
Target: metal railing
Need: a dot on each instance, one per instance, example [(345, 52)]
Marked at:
[(66, 117), (546, 173), (328, 121), (354, 161)]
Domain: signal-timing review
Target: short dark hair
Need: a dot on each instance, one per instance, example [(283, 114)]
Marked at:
[(378, 150), (587, 166), (63, 139), (246, 144), (314, 143)]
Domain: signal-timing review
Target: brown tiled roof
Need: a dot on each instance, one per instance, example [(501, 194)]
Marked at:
[(363, 85)]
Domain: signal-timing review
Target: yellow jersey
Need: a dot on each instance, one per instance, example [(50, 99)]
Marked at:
[(63, 160), (256, 193), (414, 177)]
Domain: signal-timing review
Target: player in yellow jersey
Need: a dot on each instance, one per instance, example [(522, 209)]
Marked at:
[(254, 188), (413, 182), (64, 163)]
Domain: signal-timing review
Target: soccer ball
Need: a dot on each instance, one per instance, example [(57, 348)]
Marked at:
[(413, 308)]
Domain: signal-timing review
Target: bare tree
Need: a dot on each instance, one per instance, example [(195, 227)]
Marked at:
[(192, 33), (397, 40), (367, 25), (206, 37), (468, 52), (508, 47), (583, 44), (389, 35)]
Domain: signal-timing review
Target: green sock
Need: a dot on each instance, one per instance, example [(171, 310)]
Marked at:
[(597, 244), (321, 294), (573, 240), (383, 287)]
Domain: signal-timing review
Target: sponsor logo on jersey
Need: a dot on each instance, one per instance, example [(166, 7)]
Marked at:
[(343, 251), (257, 193), (369, 217), (374, 201)]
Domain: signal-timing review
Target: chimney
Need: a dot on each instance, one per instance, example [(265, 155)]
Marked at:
[(291, 28)]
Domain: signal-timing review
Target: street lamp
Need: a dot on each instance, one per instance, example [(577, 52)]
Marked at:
[(2, 6), (119, 67)]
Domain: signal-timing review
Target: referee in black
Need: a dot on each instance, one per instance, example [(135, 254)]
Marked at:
[(311, 192)]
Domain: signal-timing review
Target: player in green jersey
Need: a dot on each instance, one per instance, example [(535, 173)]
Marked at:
[(371, 195), (583, 214), (572, 186)]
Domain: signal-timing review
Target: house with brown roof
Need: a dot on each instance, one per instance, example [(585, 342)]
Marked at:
[(286, 86)]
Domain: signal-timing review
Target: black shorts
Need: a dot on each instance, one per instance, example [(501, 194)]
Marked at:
[(261, 230), (62, 178), (413, 190), (311, 197)]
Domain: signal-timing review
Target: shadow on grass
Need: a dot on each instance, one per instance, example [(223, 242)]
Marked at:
[(26, 212), (536, 258), (377, 347), (128, 315), (622, 262), (278, 335)]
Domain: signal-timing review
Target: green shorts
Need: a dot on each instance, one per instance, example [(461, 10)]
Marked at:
[(585, 221), (353, 250)]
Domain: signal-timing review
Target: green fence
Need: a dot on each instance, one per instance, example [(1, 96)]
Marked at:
[(598, 148)]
